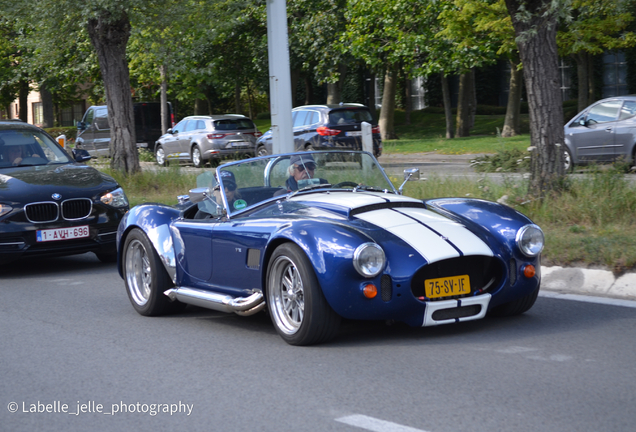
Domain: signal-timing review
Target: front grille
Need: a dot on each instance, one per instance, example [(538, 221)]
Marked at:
[(75, 209), (42, 212), (486, 274)]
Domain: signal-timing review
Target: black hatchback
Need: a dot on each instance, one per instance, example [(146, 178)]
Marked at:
[(328, 127), (51, 203)]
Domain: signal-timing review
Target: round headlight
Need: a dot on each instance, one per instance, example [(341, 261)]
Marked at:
[(369, 259), (530, 240)]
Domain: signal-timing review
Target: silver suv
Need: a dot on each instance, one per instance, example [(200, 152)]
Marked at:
[(202, 139)]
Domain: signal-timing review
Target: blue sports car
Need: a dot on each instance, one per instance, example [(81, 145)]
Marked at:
[(314, 237)]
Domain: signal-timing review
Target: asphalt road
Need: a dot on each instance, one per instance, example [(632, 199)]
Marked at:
[(72, 343)]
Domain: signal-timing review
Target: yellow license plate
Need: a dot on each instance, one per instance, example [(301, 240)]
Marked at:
[(447, 286)]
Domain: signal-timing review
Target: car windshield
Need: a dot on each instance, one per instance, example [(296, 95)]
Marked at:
[(22, 147), (253, 181)]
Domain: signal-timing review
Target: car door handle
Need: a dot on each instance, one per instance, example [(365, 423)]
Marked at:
[(609, 129)]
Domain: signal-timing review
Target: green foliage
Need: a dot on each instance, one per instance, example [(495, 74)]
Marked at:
[(513, 160)]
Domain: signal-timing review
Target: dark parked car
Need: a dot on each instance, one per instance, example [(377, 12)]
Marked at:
[(210, 138), (603, 132), (319, 236), (328, 127), (50, 203), (94, 129)]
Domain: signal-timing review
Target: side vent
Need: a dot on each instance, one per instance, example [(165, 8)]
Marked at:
[(386, 288), (254, 258)]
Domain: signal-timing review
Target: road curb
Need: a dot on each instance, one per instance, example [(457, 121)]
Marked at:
[(588, 281)]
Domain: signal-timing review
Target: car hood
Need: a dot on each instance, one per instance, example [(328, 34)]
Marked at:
[(434, 236), (35, 183)]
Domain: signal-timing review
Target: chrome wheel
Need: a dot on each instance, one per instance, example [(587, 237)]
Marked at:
[(261, 151), (298, 308), (138, 272), (160, 156), (287, 295), (567, 161), (196, 157)]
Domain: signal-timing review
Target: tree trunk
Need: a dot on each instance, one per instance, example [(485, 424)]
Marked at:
[(407, 103), (581, 71), (48, 117), (591, 93), (294, 76), (334, 90), (371, 92), (109, 35), (24, 101), (387, 112), (201, 107), (309, 91), (163, 99), (448, 111), (237, 97), (513, 110), (465, 103), (536, 36)]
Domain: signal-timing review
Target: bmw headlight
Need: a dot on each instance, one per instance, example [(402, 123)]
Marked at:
[(4, 209), (530, 240), (116, 198), (369, 259)]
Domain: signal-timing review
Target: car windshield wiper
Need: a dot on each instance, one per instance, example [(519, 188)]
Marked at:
[(308, 188)]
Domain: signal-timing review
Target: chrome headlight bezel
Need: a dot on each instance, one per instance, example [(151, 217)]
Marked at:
[(369, 259), (116, 198), (530, 240)]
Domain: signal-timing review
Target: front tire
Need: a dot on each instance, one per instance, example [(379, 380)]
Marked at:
[(568, 163), (145, 277), (160, 156), (261, 151), (295, 301), (515, 307)]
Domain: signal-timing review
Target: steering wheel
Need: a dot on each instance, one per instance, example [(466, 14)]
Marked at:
[(345, 183)]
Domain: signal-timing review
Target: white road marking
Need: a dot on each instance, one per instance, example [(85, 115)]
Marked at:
[(374, 424), (589, 299)]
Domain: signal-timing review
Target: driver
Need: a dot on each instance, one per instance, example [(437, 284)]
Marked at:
[(234, 200), (301, 172)]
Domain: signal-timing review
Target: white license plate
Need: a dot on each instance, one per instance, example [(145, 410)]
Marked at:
[(240, 144), (62, 233), (358, 133)]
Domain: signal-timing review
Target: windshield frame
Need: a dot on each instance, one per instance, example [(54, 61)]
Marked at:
[(366, 161)]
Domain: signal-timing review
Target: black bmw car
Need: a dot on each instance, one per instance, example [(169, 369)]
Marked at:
[(51, 203)]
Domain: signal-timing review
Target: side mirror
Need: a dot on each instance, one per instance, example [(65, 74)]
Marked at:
[(199, 194), (583, 122), (81, 155), (410, 174), (81, 126), (170, 131)]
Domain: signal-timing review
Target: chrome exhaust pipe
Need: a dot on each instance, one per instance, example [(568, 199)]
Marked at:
[(218, 302)]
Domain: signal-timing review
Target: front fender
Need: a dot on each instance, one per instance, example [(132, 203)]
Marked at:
[(154, 220)]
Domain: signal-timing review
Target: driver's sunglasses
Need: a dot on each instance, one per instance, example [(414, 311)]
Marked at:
[(230, 187), (309, 166)]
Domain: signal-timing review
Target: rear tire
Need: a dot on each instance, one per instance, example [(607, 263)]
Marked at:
[(197, 159)]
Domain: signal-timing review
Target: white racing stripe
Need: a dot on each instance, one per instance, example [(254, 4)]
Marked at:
[(428, 242), (374, 424), (430, 245), (456, 233), (344, 199)]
